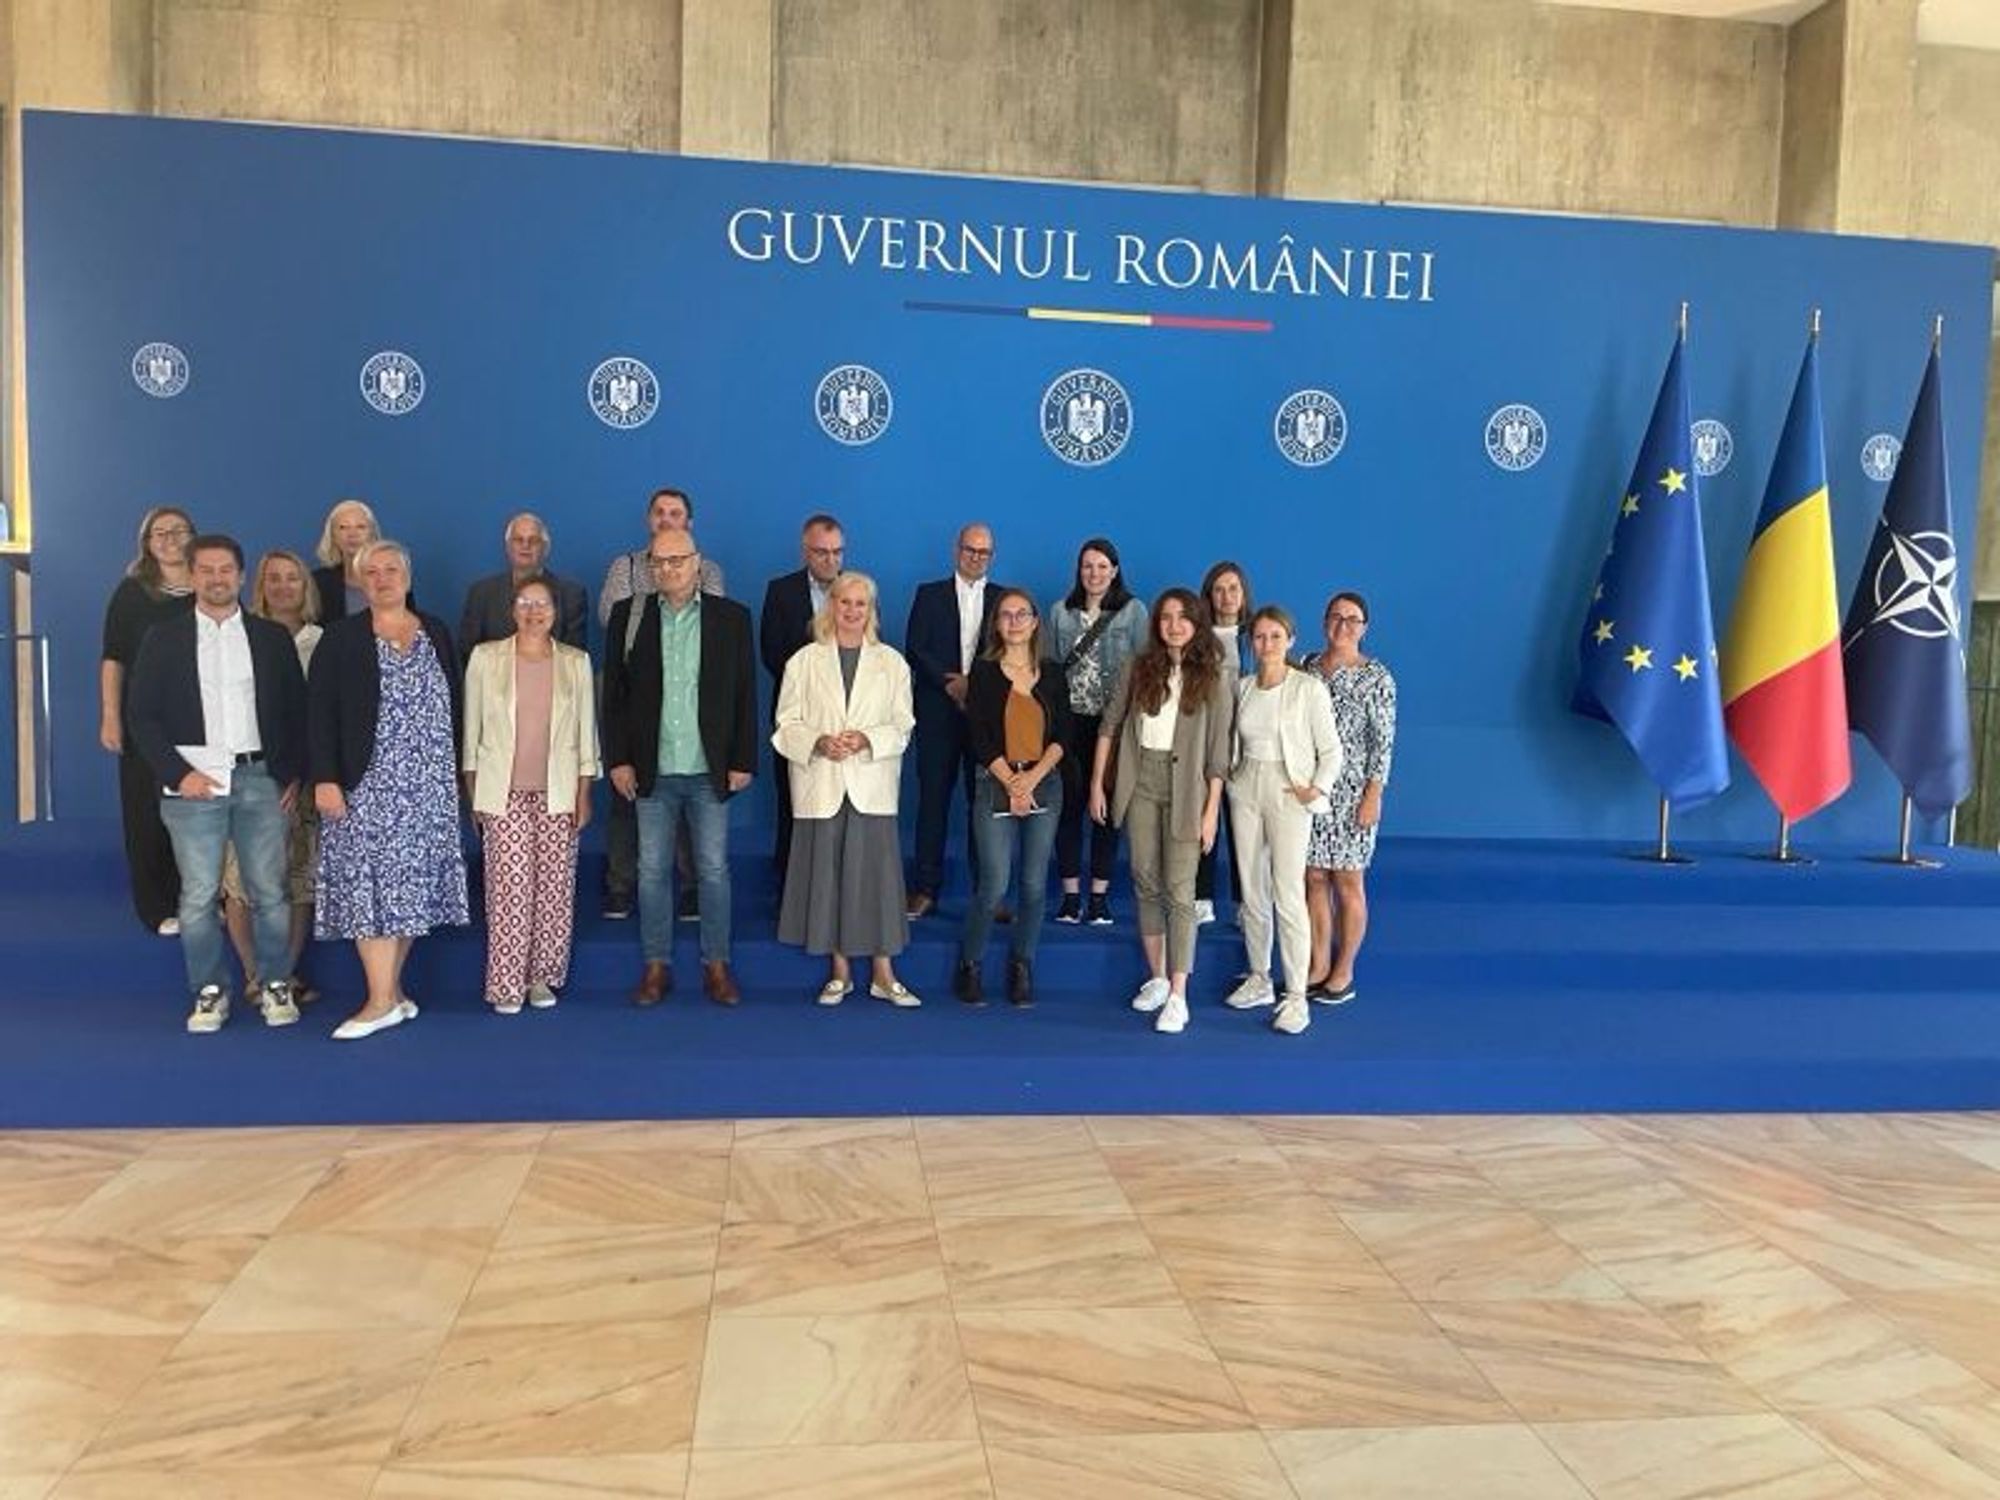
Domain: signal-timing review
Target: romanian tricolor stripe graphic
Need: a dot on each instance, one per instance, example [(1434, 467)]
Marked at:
[(1093, 315), (1783, 696)]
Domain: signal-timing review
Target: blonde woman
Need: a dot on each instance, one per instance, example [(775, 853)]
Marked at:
[(1287, 757), (530, 757), (157, 586), (350, 526), (843, 721)]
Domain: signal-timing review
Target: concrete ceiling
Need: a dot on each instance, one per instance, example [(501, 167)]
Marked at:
[(1940, 23)]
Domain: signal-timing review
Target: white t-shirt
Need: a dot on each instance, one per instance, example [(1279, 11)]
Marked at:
[(1156, 730), (1257, 720)]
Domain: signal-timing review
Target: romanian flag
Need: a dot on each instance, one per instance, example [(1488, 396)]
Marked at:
[(1784, 698)]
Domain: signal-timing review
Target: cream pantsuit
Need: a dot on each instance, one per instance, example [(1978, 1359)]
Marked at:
[(1271, 827)]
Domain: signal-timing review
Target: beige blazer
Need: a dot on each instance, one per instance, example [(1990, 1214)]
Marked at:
[(1308, 743), (811, 703), (1201, 751), (489, 725)]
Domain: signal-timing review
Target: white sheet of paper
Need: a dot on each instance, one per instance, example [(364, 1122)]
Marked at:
[(212, 761)]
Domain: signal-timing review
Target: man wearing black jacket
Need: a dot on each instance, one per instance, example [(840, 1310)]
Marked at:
[(218, 710), (680, 736), (791, 604)]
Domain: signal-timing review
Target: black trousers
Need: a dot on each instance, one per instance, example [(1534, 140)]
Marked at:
[(1078, 756), (944, 763), (149, 852)]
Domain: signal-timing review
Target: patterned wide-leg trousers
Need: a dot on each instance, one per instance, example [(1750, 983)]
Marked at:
[(530, 896)]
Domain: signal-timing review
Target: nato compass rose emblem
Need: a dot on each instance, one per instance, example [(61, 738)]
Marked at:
[(1516, 437), (160, 370), (1713, 447), (1086, 417), (624, 393), (853, 404), (1916, 585), (1310, 427), (1879, 455), (392, 383)]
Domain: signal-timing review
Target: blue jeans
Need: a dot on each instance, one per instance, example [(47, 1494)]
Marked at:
[(251, 819), (675, 797), (993, 841)]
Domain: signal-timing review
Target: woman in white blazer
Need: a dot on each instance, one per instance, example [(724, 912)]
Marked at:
[(530, 756), (843, 720), (1285, 757)]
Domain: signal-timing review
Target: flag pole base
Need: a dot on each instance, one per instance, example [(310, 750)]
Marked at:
[(1662, 852), (1907, 861), (1784, 853)]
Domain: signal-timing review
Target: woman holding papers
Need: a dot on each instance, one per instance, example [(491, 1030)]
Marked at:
[(1017, 720)]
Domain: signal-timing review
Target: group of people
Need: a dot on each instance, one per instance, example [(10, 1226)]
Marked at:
[(299, 766)]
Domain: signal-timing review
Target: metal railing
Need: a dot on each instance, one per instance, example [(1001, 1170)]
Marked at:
[(33, 735)]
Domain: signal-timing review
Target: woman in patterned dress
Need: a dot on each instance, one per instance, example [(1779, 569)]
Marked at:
[(382, 742), (1343, 838)]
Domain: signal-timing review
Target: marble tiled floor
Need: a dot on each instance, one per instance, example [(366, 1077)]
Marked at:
[(1802, 1308)]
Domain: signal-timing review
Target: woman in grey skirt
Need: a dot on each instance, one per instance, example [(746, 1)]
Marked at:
[(843, 719)]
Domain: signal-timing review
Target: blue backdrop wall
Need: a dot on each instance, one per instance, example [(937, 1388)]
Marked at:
[(277, 261)]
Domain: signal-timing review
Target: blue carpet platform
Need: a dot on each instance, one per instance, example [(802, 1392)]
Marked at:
[(1498, 977)]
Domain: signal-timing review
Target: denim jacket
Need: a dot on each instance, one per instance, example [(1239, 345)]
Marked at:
[(1119, 642)]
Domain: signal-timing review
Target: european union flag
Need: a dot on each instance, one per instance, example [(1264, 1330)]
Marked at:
[(1901, 647), (1647, 654)]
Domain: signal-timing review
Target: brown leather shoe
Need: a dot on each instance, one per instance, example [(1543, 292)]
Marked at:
[(654, 985), (721, 988), (921, 905)]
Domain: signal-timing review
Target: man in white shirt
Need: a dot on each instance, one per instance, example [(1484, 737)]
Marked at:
[(218, 711), (948, 620)]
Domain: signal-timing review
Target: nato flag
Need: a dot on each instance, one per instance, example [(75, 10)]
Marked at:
[(1901, 648), (1647, 653)]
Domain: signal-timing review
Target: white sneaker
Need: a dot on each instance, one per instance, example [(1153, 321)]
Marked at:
[(541, 997), (211, 1009), (1252, 992), (1293, 1016), (169, 928), (1152, 995), (1204, 913), (276, 1002), (1173, 1015), (510, 1006)]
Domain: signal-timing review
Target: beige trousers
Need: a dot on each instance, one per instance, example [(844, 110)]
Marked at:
[(1271, 828), (1162, 865)]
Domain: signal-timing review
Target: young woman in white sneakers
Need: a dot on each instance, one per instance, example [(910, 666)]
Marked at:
[(1287, 757)]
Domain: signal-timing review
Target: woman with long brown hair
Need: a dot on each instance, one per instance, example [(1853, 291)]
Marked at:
[(1169, 719)]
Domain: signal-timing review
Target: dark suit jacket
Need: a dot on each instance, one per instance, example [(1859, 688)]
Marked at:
[(728, 696), (331, 584), (931, 641), (344, 698), (786, 622), (164, 709), (489, 612)]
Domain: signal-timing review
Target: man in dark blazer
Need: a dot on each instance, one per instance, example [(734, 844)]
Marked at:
[(218, 710), (949, 620), (680, 736), (791, 604), (489, 604)]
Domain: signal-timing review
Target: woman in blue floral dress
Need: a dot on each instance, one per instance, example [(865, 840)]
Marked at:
[(1343, 839), (382, 735)]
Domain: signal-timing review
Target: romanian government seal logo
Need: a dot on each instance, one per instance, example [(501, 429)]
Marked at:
[(392, 383), (1879, 455), (160, 370), (623, 392), (1713, 447), (853, 404), (1086, 417), (1311, 427), (1515, 437)]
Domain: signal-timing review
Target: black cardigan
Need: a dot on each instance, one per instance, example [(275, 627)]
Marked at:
[(344, 696), (164, 708), (986, 693), (728, 691)]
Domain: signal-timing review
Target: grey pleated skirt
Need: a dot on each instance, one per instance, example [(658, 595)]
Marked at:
[(844, 886)]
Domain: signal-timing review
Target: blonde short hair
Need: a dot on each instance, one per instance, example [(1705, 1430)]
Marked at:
[(328, 550), (260, 603), (383, 544), (823, 621)]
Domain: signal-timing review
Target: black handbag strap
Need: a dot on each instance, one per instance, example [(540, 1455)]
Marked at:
[(1089, 638)]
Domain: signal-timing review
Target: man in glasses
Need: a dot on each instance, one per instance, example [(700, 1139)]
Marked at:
[(792, 602), (680, 736), (489, 604), (948, 620)]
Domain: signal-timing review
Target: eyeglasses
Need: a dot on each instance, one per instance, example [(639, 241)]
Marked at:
[(167, 532), (975, 551), (1014, 616), (673, 560), (534, 604), (825, 554), (1346, 621)]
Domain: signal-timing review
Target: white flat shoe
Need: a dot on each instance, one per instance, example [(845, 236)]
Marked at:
[(896, 993), (408, 1007), (835, 990), (354, 1031)]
